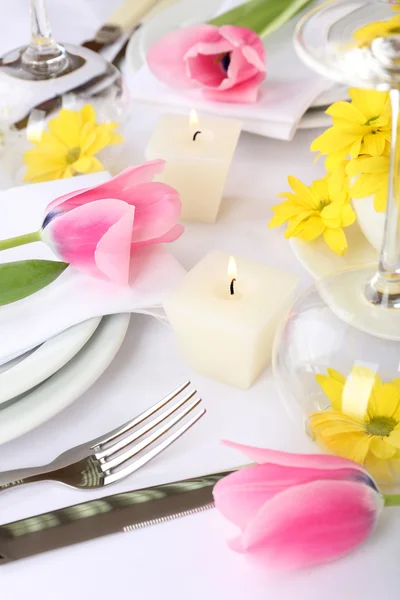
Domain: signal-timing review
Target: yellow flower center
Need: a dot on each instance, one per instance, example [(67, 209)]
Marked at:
[(323, 204), (381, 426), (371, 120), (73, 154)]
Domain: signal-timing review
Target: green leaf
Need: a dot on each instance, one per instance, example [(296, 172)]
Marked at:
[(262, 16), (23, 278)]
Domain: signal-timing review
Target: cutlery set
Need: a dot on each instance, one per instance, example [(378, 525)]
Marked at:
[(119, 453), (106, 460)]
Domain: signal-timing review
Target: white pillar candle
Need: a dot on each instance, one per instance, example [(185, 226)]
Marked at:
[(198, 155), (223, 335)]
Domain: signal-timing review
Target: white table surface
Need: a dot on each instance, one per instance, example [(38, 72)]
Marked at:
[(185, 559)]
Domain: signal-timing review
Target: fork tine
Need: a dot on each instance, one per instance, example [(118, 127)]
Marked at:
[(108, 465), (155, 451), (126, 441), (140, 418)]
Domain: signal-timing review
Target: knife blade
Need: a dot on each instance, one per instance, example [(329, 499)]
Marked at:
[(123, 512)]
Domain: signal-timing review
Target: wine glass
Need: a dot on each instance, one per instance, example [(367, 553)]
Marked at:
[(39, 79), (337, 355)]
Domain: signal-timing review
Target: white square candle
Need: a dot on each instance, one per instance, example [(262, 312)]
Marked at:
[(198, 155), (228, 336)]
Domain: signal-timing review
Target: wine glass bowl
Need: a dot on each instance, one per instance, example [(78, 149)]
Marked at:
[(45, 77), (351, 42)]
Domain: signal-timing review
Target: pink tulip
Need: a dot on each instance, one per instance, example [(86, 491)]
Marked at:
[(227, 62), (298, 510), (97, 230)]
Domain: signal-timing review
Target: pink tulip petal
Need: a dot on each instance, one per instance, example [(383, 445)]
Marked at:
[(166, 56), (312, 524), (114, 188), (170, 236), (301, 461), (248, 41), (113, 252), (206, 70), (240, 495), (245, 93), (158, 208), (240, 71), (75, 234)]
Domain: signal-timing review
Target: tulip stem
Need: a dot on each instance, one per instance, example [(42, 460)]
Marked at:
[(20, 240), (391, 499)]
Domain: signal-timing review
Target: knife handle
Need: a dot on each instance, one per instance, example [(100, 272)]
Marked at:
[(130, 12)]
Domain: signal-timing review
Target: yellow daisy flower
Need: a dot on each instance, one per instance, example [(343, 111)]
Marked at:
[(372, 174), (361, 126), (363, 423), (365, 35), (322, 208), (70, 146)]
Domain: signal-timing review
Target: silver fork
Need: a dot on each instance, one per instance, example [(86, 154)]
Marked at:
[(102, 461)]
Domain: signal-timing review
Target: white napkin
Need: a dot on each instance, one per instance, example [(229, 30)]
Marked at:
[(287, 93), (73, 297)]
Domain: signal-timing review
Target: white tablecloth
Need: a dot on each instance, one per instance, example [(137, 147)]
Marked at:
[(185, 559)]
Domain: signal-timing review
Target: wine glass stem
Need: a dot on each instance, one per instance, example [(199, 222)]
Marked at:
[(43, 56), (40, 26), (384, 287)]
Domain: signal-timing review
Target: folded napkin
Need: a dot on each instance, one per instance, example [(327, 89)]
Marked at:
[(73, 297), (287, 93)]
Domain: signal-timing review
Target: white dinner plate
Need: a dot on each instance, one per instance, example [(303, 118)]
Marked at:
[(320, 261), (29, 370), (59, 391)]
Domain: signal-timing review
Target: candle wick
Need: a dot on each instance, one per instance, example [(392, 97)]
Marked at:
[(232, 286), (196, 134)]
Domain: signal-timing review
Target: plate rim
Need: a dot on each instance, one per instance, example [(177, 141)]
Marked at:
[(65, 386), (39, 366)]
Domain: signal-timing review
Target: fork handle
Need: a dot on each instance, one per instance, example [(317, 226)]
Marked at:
[(10, 479)]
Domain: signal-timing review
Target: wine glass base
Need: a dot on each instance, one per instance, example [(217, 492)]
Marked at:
[(19, 65), (345, 294)]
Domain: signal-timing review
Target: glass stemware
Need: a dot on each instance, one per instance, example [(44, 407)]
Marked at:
[(40, 79), (325, 40), (43, 58), (337, 355)]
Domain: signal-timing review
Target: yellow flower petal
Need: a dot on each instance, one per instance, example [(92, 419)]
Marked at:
[(338, 376), (381, 447), (66, 127), (88, 114), (348, 215), (283, 212), (394, 437), (374, 103), (332, 388), (336, 240), (346, 111), (302, 191), (373, 144), (385, 402), (32, 175), (313, 228)]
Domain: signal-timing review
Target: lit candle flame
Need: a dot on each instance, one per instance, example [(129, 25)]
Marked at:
[(232, 270), (193, 119)]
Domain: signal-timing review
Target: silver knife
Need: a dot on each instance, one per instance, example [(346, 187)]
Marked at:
[(112, 514)]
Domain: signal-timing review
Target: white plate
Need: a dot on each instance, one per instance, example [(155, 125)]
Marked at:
[(27, 371), (320, 261), (59, 391)]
